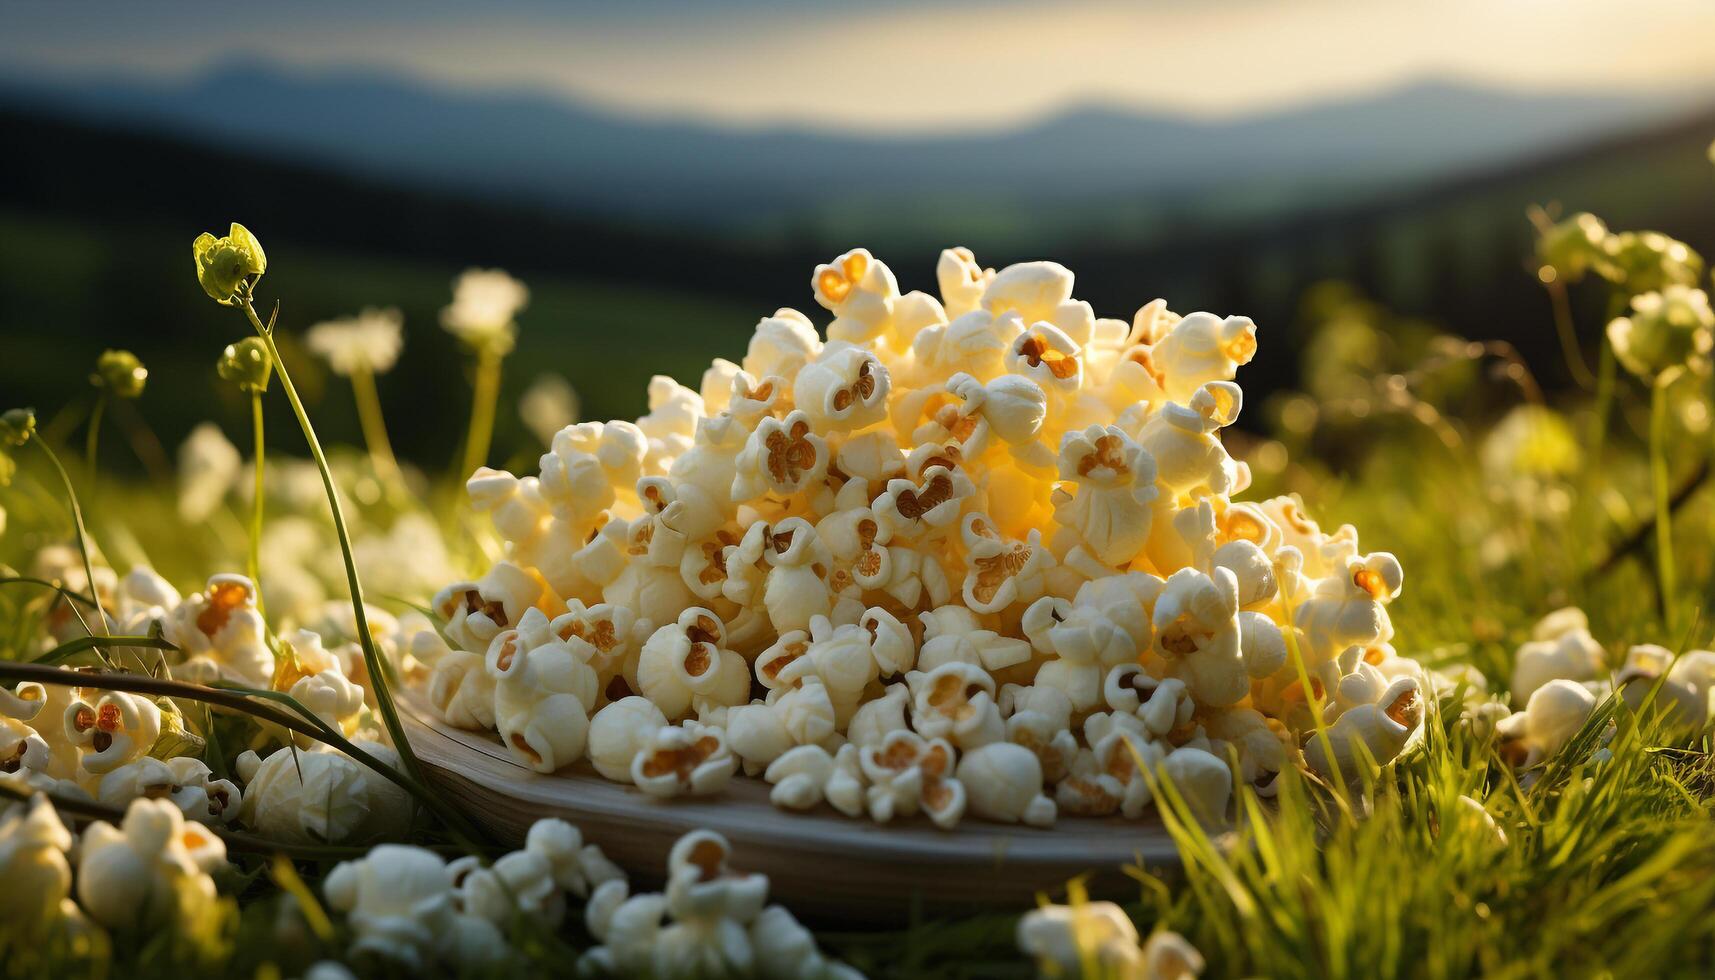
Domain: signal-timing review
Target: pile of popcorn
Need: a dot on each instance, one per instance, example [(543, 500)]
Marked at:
[(977, 554)]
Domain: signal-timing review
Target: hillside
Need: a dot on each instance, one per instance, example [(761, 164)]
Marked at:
[(115, 209), (1117, 171)]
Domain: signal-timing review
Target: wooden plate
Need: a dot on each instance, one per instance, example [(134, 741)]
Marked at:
[(820, 863)]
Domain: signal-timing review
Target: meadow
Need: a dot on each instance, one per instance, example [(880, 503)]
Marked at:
[(1504, 497)]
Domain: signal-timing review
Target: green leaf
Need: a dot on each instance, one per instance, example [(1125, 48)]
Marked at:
[(175, 738)]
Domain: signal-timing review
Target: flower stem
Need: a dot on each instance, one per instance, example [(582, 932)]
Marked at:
[(1569, 336), (1606, 368), (92, 440), (375, 436), (371, 657), (82, 533), (1664, 515), (484, 397), (255, 564)]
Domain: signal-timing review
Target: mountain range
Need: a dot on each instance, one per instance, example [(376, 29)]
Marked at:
[(1111, 170)]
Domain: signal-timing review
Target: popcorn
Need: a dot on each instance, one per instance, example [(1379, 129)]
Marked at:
[(1044, 354), (1202, 780), (1185, 444), (21, 749), (1384, 723), (321, 796), (118, 728), (1110, 513), (845, 388), (1004, 783), (473, 612), (782, 457), (962, 281), (222, 634), (208, 466), (399, 904), (151, 871), (1200, 349), (1350, 608), (976, 552), (689, 759), (955, 701), (722, 925), (618, 734), (800, 777), (462, 692), (408, 905), (1039, 719), (186, 782), (907, 772), (1560, 647), (839, 657), (576, 867), (875, 719), (785, 950), (1553, 715), (686, 660), (1197, 633), (1000, 572), (33, 848), (1683, 696), (519, 883), (1064, 939)]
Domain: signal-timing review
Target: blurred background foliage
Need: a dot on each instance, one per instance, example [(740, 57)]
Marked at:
[(95, 214)]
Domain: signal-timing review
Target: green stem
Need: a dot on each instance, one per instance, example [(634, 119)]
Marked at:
[(72, 648), (1664, 515), (255, 563), (484, 397), (82, 533), (371, 657), (92, 441), (1569, 336), (375, 436), (1606, 371)]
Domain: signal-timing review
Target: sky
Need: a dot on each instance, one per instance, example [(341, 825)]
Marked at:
[(892, 66)]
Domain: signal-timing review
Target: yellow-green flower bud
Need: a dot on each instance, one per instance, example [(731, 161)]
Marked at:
[(246, 364), (1667, 331), (1569, 249), (17, 426), (1648, 261), (223, 264), (121, 373)]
